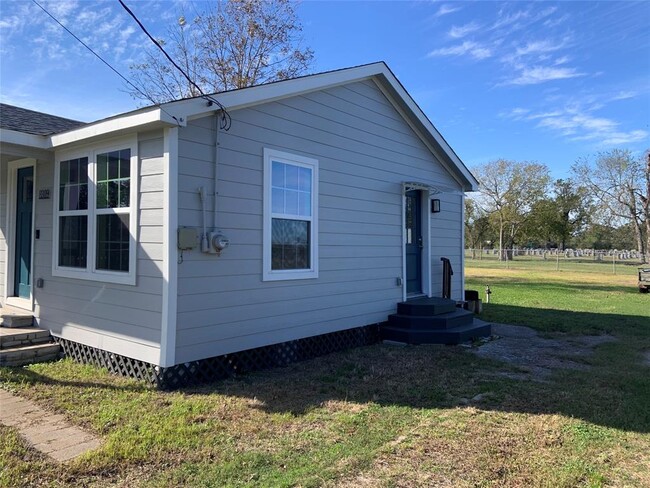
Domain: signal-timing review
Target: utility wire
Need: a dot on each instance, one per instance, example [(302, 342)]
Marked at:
[(226, 120), (105, 62)]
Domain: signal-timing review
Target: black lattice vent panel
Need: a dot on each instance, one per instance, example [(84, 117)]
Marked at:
[(226, 366), (114, 363), (273, 356)]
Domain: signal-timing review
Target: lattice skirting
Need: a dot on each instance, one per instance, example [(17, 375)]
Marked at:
[(221, 367)]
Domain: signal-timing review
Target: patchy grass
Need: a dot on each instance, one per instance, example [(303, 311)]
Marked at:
[(376, 416)]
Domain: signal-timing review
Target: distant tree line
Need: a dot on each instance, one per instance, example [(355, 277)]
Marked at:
[(605, 204)]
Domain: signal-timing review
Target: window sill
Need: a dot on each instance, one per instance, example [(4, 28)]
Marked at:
[(289, 275), (99, 276)]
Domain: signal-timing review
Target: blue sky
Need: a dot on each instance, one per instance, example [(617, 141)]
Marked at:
[(542, 81)]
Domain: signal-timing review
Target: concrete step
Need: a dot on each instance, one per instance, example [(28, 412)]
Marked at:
[(15, 317), (455, 335), (426, 307), (37, 353), (23, 336), (449, 320)]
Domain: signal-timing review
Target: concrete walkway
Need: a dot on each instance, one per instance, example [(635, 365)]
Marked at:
[(47, 432)]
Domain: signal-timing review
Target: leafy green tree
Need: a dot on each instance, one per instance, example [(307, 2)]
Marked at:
[(508, 192), (616, 180), (477, 226)]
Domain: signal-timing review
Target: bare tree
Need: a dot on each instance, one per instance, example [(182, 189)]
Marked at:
[(616, 181), (508, 190), (230, 44)]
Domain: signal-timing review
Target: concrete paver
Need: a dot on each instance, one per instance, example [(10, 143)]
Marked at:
[(49, 433)]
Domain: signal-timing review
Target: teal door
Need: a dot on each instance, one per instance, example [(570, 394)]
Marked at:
[(413, 220), (24, 199)]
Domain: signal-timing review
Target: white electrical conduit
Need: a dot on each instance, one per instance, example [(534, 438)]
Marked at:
[(216, 169), (205, 245)]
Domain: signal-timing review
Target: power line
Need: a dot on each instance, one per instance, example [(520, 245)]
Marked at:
[(105, 62), (226, 120)]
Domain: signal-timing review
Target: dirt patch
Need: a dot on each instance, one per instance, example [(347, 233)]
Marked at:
[(536, 356)]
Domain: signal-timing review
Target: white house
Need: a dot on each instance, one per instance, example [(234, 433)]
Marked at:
[(159, 237)]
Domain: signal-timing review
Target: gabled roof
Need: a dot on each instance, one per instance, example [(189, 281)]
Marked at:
[(177, 113), (31, 122)]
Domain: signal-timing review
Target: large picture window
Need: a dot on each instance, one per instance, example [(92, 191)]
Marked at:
[(290, 221), (95, 217)]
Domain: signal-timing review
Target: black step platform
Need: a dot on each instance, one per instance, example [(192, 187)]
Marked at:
[(433, 321)]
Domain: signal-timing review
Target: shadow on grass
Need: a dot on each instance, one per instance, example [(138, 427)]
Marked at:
[(612, 387)]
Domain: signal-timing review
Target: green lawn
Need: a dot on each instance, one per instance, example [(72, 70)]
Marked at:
[(380, 415)]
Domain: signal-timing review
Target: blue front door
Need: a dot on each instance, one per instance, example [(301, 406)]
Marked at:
[(413, 220), (24, 199)]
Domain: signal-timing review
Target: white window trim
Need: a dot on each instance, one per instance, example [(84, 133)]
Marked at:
[(90, 273), (269, 274)]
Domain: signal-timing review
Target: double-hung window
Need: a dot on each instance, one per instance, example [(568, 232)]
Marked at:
[(95, 214), (290, 216)]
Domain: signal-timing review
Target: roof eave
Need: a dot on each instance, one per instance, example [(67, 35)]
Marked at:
[(24, 139), (150, 118)]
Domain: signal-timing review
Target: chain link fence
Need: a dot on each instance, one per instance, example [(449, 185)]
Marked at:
[(612, 260)]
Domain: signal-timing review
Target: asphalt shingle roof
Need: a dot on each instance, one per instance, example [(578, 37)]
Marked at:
[(32, 122)]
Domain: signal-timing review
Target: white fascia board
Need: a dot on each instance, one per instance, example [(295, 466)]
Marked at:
[(24, 139), (148, 118), (246, 97)]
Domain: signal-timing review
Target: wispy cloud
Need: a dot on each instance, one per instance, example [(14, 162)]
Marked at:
[(470, 48), (579, 120), (456, 32), (541, 46), (527, 57), (540, 74), (446, 9)]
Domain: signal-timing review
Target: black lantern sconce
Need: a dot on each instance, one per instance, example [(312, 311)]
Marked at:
[(435, 206)]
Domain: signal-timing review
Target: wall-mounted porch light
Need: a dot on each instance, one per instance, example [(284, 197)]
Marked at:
[(435, 205)]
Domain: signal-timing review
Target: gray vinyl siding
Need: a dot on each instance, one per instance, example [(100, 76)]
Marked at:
[(365, 152), (118, 318), (446, 241)]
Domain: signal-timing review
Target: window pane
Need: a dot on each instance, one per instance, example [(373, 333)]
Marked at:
[(73, 241), (125, 163), (113, 165), (277, 174), (73, 184), (113, 181), (113, 242), (304, 204), (102, 167), (290, 246), (277, 200), (305, 179), (125, 193), (291, 202), (291, 176)]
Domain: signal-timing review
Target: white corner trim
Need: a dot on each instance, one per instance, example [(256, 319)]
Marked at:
[(462, 247), (170, 252)]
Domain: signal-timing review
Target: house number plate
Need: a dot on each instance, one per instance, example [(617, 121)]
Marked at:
[(44, 194)]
